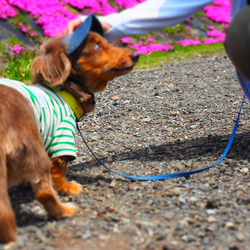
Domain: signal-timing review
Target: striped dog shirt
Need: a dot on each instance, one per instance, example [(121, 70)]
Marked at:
[(54, 117)]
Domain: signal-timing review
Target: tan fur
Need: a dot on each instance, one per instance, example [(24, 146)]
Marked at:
[(22, 156)]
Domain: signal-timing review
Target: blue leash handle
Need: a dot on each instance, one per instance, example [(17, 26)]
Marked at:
[(178, 174)]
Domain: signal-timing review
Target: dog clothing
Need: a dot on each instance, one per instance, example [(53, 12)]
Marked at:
[(54, 117)]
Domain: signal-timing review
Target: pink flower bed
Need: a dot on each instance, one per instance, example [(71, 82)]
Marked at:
[(188, 42), (6, 10), (125, 4), (145, 48), (53, 16), (219, 11), (97, 6), (17, 49)]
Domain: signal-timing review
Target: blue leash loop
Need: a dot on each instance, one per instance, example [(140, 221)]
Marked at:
[(178, 174)]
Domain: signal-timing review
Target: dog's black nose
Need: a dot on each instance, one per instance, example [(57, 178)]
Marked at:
[(134, 56)]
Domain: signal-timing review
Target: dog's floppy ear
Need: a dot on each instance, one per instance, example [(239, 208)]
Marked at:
[(53, 65)]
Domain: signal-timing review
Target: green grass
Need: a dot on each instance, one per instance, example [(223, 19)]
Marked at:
[(17, 66), (158, 58), (13, 41), (171, 30), (2, 48), (21, 18)]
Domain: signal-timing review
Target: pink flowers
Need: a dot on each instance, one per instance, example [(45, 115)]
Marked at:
[(149, 46), (219, 12), (23, 28), (6, 10), (215, 36), (126, 40), (17, 49), (188, 42), (53, 16), (127, 3), (145, 48)]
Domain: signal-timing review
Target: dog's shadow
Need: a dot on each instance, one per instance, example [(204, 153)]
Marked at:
[(21, 196), (208, 146), (22, 200)]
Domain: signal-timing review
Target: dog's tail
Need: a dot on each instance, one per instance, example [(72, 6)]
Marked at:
[(7, 217)]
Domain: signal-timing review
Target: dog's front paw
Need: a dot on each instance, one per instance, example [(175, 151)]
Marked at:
[(65, 210), (70, 188)]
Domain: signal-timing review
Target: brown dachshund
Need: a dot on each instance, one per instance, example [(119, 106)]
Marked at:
[(84, 72), (69, 79)]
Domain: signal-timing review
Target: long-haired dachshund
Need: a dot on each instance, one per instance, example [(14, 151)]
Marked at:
[(38, 122)]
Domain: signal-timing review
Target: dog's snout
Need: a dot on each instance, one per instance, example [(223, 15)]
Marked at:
[(134, 56)]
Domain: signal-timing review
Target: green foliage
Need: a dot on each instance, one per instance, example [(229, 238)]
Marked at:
[(18, 66), (21, 18), (171, 30), (200, 14), (2, 49), (13, 41)]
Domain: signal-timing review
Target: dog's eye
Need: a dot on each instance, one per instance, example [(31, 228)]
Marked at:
[(97, 47)]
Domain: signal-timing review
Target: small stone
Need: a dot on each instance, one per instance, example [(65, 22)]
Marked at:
[(229, 225), (146, 119), (211, 211), (239, 193), (240, 237), (241, 187), (41, 236), (244, 170), (113, 184), (109, 159), (201, 234), (173, 113), (95, 137), (193, 199), (193, 126), (170, 129), (182, 224), (174, 192), (211, 219), (103, 237), (86, 236), (115, 97), (240, 190)]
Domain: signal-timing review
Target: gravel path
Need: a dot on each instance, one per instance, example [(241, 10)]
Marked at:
[(174, 118)]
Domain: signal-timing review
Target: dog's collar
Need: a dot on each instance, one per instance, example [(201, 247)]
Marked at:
[(70, 99)]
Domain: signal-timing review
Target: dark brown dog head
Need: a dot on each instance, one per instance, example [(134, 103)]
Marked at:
[(97, 62), (82, 70)]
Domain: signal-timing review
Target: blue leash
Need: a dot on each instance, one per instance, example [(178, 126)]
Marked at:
[(178, 174)]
